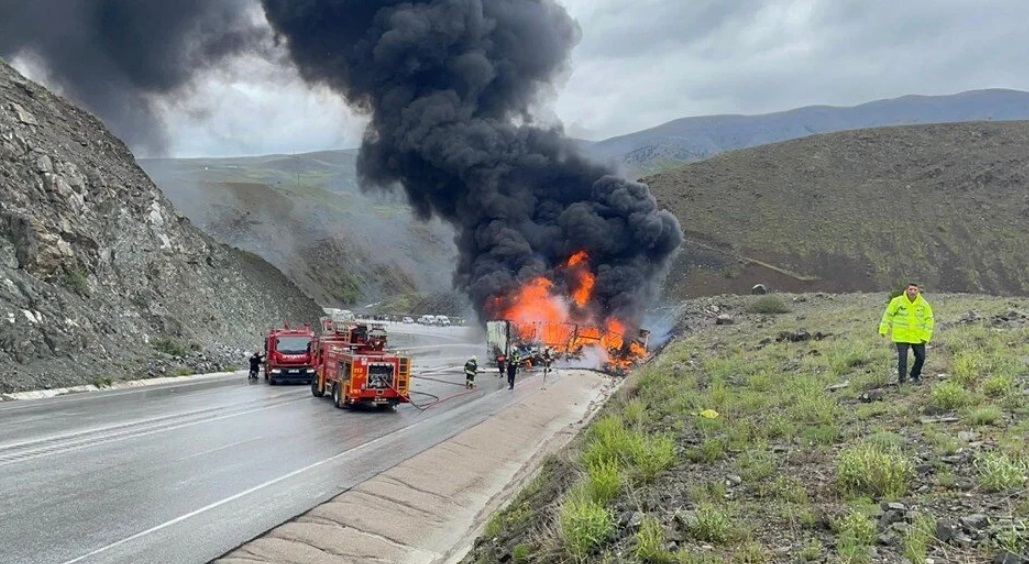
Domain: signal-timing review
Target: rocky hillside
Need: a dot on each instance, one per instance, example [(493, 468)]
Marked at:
[(306, 215), (100, 278), (945, 205), (692, 139)]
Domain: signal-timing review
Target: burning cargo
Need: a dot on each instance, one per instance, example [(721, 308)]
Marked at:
[(565, 341)]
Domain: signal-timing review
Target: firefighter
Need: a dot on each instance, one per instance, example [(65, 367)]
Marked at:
[(546, 359), (470, 368), (512, 366), (255, 363)]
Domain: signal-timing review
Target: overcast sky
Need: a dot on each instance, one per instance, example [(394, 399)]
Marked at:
[(644, 62)]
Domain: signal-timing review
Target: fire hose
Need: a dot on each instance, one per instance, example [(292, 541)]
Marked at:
[(437, 400)]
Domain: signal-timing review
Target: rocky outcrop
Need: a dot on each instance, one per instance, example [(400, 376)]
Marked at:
[(96, 266)]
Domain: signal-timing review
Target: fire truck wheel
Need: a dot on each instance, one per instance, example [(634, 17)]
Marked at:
[(335, 396), (316, 389)]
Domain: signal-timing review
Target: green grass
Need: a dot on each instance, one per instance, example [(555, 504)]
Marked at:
[(950, 396), (713, 523), (650, 543), (855, 533), (870, 470), (170, 346), (604, 480), (585, 525), (1000, 472), (984, 415), (78, 282), (806, 456), (918, 537), (769, 305)]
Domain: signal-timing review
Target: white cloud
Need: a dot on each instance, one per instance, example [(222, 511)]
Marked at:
[(257, 107)]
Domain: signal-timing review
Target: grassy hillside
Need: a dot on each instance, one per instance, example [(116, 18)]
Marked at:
[(306, 215), (814, 455), (696, 138), (945, 205)]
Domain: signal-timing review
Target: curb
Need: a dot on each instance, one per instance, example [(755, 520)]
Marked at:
[(120, 385)]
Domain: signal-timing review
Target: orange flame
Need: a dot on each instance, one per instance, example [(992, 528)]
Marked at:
[(581, 294), (543, 316)]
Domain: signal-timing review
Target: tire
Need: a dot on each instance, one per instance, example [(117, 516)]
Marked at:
[(335, 396), (271, 381), (316, 390)]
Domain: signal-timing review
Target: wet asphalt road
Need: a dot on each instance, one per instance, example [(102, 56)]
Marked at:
[(183, 473)]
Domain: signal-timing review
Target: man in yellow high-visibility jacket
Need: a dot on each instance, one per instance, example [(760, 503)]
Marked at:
[(910, 318)]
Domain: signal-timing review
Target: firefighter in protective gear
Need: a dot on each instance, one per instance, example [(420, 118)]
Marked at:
[(470, 368), (909, 319)]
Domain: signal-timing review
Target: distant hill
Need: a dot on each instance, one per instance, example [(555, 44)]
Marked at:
[(305, 215), (697, 138), (945, 205)]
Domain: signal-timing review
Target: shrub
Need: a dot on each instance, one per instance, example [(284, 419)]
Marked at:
[(585, 525), (985, 415), (652, 454), (77, 282), (635, 411), (949, 395), (711, 523), (999, 472), (650, 543), (520, 553), (918, 537), (604, 481), (710, 450), (608, 440), (855, 533), (867, 469), (169, 346), (999, 385), (769, 305)]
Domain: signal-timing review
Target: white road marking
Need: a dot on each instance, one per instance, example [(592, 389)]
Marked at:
[(219, 448), (244, 493)]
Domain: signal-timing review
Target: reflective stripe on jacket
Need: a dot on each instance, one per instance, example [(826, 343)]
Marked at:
[(910, 321), (470, 368)]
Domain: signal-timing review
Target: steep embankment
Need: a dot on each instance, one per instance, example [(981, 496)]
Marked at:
[(944, 205), (99, 276), (773, 432)]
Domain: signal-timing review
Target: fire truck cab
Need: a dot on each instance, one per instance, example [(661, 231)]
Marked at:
[(353, 366), (287, 354)]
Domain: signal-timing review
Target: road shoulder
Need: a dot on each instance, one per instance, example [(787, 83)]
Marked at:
[(430, 508)]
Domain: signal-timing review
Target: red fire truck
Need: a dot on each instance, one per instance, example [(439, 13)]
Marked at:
[(353, 366), (287, 355)]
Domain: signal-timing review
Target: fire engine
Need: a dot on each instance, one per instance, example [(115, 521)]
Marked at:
[(287, 355), (353, 366)]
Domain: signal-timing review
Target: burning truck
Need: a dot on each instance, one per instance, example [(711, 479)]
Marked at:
[(543, 315), (565, 341)]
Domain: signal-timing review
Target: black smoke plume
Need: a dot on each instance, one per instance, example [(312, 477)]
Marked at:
[(449, 85), (115, 56)]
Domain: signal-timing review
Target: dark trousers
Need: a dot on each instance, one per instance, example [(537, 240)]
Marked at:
[(902, 361), (510, 377)]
